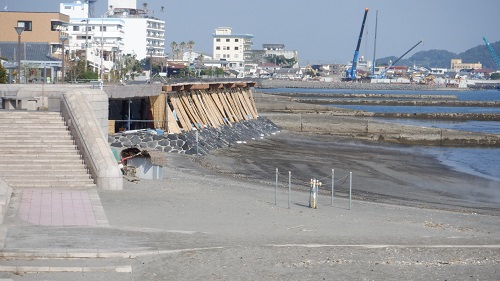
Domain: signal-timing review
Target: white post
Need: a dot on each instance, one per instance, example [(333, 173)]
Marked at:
[(289, 187), (276, 189), (350, 189), (315, 192), (333, 184)]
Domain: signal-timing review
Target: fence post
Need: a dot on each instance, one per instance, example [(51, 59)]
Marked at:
[(289, 187), (333, 183), (350, 189), (276, 189)]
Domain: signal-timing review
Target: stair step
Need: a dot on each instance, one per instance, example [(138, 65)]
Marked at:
[(62, 146), (36, 150), (52, 178), (41, 166), (53, 185)]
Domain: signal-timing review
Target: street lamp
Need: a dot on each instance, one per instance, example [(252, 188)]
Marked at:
[(19, 30), (151, 50), (63, 38)]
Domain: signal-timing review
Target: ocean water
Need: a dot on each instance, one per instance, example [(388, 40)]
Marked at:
[(483, 162)]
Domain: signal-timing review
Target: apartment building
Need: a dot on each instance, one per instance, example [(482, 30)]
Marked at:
[(233, 48), (99, 40)]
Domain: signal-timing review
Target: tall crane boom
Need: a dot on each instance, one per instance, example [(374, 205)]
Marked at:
[(351, 74), (492, 53), (382, 74)]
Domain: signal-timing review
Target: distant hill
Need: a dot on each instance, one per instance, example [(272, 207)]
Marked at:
[(442, 58)]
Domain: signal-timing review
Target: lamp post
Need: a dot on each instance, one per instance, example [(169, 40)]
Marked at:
[(19, 30), (63, 38), (151, 50)]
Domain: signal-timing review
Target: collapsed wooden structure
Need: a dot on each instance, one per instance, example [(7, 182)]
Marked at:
[(182, 107)]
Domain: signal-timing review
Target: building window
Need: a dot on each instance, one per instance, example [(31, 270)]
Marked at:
[(228, 40), (102, 28), (26, 24), (236, 56), (236, 40), (236, 48), (217, 48), (217, 56), (217, 40), (76, 28)]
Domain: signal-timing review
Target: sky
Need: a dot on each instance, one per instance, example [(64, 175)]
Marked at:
[(322, 31)]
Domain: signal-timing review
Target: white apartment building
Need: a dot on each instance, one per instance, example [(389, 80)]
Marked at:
[(233, 48), (78, 9), (123, 29), (100, 40), (144, 37)]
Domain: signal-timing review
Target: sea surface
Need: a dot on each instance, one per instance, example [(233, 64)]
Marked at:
[(484, 162)]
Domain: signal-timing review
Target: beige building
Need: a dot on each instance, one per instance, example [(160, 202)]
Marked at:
[(40, 43), (456, 64), (38, 27)]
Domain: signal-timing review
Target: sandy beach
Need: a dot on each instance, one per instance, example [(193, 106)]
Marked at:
[(217, 217)]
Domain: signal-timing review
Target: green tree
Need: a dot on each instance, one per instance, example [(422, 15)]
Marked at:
[(3, 75), (495, 76)]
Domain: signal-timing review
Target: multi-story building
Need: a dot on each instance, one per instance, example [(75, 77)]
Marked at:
[(39, 27), (99, 40), (233, 48), (456, 64), (122, 30), (144, 35)]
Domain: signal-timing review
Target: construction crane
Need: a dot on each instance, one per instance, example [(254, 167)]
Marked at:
[(351, 74), (382, 74), (492, 53)]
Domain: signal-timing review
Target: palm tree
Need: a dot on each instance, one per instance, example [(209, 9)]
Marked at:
[(190, 46), (173, 46), (162, 9), (182, 47)]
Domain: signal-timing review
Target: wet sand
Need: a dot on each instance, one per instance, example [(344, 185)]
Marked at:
[(382, 172)]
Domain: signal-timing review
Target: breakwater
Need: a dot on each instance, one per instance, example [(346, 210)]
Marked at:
[(265, 83)]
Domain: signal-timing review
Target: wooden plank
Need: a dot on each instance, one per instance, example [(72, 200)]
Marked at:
[(244, 106), (181, 113), (253, 102), (199, 108), (187, 108), (172, 125), (211, 107), (249, 103), (220, 107), (236, 105), (228, 106), (208, 114)]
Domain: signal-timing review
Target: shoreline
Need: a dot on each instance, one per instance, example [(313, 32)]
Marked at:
[(304, 117)]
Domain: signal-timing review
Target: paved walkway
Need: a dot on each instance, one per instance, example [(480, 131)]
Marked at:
[(59, 207)]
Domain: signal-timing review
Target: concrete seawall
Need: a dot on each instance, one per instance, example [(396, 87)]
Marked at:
[(265, 83)]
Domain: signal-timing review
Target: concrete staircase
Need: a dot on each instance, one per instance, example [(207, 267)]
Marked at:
[(37, 151)]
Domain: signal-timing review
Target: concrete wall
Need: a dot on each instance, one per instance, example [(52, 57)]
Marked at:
[(5, 194), (89, 137)]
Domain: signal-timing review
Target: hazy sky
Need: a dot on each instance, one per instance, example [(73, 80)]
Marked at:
[(322, 31)]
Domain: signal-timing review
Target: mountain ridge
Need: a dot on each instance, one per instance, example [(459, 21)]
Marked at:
[(442, 58)]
